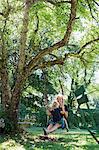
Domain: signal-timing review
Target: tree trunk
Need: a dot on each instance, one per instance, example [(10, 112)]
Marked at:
[(15, 100), (5, 90), (11, 104)]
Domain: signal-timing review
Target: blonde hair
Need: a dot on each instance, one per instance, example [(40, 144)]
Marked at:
[(60, 96), (55, 104)]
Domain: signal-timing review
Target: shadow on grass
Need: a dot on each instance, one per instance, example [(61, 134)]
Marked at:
[(31, 141), (63, 143), (67, 140), (91, 147), (52, 146)]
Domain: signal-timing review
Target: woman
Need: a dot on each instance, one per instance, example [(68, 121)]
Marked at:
[(63, 116), (64, 111)]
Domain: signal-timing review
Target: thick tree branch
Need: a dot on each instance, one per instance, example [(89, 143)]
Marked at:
[(5, 92), (23, 36), (59, 44), (58, 61), (70, 54), (32, 41)]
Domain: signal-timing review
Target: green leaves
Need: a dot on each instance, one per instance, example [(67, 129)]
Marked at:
[(40, 85)]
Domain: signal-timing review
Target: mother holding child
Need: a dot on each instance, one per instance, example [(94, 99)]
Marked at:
[(59, 114)]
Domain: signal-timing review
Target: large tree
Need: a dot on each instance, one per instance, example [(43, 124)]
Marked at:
[(30, 32)]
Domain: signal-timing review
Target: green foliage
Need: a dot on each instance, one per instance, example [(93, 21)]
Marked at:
[(73, 120), (61, 14), (29, 104), (40, 84), (41, 117), (96, 118), (29, 99), (76, 120), (22, 111)]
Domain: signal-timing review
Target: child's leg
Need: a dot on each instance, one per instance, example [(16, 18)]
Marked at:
[(55, 127)]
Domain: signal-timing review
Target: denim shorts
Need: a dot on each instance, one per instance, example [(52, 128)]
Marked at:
[(59, 122)]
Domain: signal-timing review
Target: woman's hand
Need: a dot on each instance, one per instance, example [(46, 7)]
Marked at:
[(61, 103), (65, 114), (62, 112)]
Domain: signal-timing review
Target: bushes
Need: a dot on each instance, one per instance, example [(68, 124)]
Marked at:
[(41, 117), (96, 118), (89, 118), (37, 118), (73, 120)]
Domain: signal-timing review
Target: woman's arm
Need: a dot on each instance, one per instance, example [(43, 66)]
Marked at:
[(48, 111), (64, 112)]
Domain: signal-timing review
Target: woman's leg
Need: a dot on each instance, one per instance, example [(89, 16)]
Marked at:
[(66, 124), (56, 126), (49, 126)]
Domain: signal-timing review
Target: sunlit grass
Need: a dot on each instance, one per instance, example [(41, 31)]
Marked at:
[(72, 140), (11, 145)]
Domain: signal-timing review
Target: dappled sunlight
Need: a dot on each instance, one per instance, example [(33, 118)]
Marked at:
[(31, 140), (11, 145)]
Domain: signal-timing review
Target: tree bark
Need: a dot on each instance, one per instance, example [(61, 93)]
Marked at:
[(20, 78), (5, 93), (10, 99), (5, 90)]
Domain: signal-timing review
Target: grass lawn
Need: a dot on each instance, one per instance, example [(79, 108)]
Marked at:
[(72, 140)]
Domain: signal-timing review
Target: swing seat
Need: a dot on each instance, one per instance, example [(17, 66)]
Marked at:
[(81, 95)]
